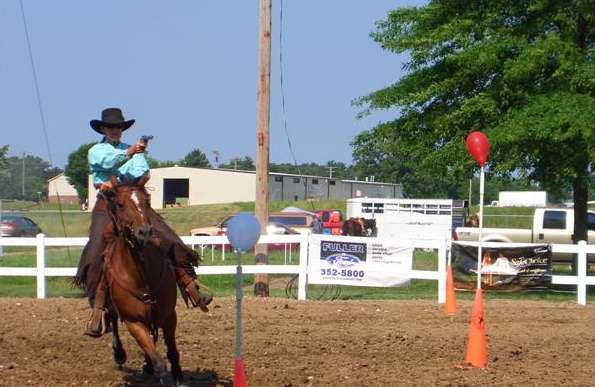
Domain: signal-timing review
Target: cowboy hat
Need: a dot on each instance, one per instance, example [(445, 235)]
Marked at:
[(111, 118)]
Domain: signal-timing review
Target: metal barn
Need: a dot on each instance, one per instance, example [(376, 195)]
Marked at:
[(182, 186)]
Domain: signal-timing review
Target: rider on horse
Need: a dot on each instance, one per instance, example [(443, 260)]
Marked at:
[(128, 164)]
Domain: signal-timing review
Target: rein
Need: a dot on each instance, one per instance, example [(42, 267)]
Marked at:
[(111, 212), (118, 227)]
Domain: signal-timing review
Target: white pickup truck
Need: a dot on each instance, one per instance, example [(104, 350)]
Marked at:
[(550, 225)]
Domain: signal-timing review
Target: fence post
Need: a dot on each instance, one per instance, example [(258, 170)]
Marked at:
[(303, 274), (40, 266), (581, 287), (442, 272)]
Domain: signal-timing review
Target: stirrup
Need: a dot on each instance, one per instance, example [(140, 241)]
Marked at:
[(97, 324)]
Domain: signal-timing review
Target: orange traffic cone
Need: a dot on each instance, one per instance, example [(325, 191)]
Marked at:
[(239, 374), (450, 307), (477, 346)]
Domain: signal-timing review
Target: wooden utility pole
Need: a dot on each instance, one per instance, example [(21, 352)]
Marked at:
[(263, 99)]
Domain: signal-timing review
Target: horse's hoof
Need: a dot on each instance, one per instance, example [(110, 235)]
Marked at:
[(120, 357), (161, 373), (148, 369), (176, 373), (165, 379)]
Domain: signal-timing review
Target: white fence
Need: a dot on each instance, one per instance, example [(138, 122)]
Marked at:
[(301, 269), (581, 280), (41, 271)]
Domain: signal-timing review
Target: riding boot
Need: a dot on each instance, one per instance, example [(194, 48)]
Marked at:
[(192, 291), (97, 325)]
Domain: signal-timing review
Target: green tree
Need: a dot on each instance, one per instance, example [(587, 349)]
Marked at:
[(4, 171), (77, 170), (310, 169), (168, 163), (52, 172), (340, 170), (26, 177), (521, 71), (196, 159), (245, 164), (153, 163)]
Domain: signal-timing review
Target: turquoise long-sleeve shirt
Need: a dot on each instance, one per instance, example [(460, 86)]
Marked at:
[(106, 160)]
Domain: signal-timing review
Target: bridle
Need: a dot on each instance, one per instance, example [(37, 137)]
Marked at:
[(120, 230)]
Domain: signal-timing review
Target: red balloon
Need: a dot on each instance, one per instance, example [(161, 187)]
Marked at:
[(478, 147)]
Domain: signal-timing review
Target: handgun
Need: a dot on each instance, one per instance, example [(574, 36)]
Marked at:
[(145, 139)]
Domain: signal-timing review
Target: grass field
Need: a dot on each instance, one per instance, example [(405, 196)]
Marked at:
[(223, 285), (183, 219), (21, 205)]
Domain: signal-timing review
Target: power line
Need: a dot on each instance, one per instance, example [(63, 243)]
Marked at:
[(41, 115), (36, 83), (282, 85)]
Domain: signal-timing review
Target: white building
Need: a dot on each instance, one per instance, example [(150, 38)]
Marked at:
[(180, 186), (59, 185)]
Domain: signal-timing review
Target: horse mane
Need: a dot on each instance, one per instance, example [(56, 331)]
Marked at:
[(358, 226)]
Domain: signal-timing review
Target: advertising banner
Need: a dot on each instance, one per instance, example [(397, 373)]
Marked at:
[(358, 261), (503, 268)]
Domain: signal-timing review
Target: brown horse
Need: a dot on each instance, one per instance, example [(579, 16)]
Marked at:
[(359, 227), (141, 283)]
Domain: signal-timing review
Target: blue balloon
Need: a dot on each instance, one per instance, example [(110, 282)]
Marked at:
[(243, 231)]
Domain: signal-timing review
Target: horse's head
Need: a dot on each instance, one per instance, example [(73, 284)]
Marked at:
[(369, 227), (128, 205)]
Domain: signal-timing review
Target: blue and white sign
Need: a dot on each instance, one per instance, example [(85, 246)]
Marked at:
[(357, 261)]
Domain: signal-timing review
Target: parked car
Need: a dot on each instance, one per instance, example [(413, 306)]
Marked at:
[(273, 228), (16, 225), (298, 221), (279, 224)]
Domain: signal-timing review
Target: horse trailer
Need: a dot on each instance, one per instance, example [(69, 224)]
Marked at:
[(411, 218)]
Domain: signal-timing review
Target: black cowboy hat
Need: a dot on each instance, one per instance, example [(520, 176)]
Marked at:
[(111, 118)]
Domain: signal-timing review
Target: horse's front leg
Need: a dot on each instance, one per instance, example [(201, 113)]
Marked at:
[(169, 336), (148, 364), (142, 336), (119, 352)]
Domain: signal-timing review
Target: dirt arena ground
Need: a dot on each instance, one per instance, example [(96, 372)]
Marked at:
[(290, 343)]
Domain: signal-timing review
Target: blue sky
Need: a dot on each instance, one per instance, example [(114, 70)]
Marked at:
[(186, 71)]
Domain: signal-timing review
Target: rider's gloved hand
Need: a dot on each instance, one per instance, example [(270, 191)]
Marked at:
[(106, 186), (139, 147)]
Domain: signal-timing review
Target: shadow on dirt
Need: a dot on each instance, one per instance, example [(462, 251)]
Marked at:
[(198, 378)]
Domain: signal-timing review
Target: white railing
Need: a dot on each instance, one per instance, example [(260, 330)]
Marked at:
[(41, 271), (222, 242), (436, 275), (581, 280)]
